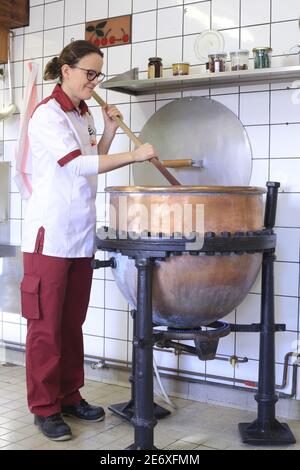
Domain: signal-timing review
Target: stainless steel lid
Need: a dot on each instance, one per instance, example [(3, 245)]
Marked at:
[(203, 131)]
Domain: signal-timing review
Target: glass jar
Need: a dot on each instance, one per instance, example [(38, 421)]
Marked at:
[(155, 68), (180, 69), (217, 61), (239, 59), (262, 57)]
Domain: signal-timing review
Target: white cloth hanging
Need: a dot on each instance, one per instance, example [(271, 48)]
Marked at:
[(22, 155)]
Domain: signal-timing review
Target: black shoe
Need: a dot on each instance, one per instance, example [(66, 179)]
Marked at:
[(53, 427), (84, 412)]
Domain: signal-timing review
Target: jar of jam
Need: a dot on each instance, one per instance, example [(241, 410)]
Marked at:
[(217, 61), (262, 57), (155, 68)]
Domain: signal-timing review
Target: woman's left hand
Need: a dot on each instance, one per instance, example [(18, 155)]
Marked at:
[(108, 113)]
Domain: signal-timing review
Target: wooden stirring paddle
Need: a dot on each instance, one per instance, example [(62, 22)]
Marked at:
[(138, 143)]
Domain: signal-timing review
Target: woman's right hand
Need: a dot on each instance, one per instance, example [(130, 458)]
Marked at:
[(144, 152)]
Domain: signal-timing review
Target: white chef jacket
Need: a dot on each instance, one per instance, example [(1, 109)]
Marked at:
[(62, 203)]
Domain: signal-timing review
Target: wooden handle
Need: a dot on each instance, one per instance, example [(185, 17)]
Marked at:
[(178, 163), (137, 142)]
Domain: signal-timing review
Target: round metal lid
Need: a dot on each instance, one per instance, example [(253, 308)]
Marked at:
[(204, 131)]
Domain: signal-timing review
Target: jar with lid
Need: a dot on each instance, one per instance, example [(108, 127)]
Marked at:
[(155, 67), (217, 61), (262, 57), (181, 68), (239, 59)]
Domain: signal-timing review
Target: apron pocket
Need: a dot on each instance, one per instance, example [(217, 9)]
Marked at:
[(30, 287)]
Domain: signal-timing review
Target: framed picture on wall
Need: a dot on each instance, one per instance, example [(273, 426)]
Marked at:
[(109, 32)]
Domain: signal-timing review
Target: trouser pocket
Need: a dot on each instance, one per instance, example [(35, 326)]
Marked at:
[(30, 289)]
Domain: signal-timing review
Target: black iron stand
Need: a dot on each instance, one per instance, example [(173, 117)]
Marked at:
[(266, 430), (126, 410), (143, 419)]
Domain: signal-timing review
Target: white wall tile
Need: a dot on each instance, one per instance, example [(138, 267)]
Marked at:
[(283, 141), (17, 74), (254, 108), (284, 342), (259, 140), (170, 50), (255, 12), (53, 41), (140, 113), (115, 349), (97, 294), (260, 172), (284, 37), (11, 332), (114, 299), (249, 310), (220, 368), (15, 206), (73, 33), (285, 10), (286, 278), (11, 128), (166, 359), (232, 38), (94, 322), (169, 22), (15, 232), (141, 52), (144, 26), (189, 51), (36, 18), (54, 15), (255, 36), (247, 344), (119, 177), (196, 17), (225, 14), (74, 11), (96, 10), (247, 371), (143, 5), (118, 59), (117, 8), (286, 311), (116, 324), (93, 346), (33, 45), (288, 210), (230, 101), (284, 108), (17, 48), (168, 3), (287, 172), (288, 242)]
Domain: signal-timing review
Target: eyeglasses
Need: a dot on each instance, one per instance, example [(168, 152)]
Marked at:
[(91, 74)]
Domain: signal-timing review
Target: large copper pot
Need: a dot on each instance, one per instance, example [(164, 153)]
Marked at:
[(190, 291)]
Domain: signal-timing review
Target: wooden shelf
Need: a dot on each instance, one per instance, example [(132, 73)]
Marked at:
[(203, 81)]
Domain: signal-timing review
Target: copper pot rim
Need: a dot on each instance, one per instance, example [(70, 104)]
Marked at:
[(245, 190)]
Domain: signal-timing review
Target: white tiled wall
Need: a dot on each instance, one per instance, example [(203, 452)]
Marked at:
[(169, 28)]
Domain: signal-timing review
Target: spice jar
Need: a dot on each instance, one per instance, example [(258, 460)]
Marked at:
[(180, 69), (239, 59), (262, 57), (217, 61), (155, 67)]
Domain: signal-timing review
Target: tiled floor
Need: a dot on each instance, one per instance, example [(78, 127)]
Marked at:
[(193, 425)]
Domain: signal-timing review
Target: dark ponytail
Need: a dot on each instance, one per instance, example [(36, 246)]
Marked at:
[(70, 55)]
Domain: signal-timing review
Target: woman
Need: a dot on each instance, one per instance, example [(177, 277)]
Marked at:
[(59, 235)]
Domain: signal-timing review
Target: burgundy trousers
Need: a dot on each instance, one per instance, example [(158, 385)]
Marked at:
[(55, 296)]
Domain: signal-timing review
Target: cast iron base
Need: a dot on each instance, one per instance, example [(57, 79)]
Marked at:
[(132, 447), (277, 434), (125, 410)]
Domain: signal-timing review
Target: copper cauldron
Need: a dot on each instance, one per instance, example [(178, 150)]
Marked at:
[(189, 291)]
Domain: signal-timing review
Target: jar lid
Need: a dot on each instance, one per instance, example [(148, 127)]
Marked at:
[(214, 53), (267, 49), (240, 51), (154, 58), (181, 63)]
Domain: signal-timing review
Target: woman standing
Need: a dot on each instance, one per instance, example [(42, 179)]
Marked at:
[(59, 235)]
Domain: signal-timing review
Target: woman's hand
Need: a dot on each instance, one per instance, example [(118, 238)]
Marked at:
[(144, 152), (108, 113)]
